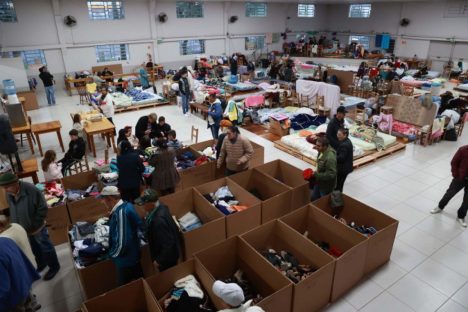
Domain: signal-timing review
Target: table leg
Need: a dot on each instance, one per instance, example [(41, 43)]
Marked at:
[(108, 139), (59, 135), (30, 141), (113, 142), (35, 178), (39, 145), (93, 147), (90, 137)]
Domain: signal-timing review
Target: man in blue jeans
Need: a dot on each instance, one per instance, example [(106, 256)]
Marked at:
[(29, 209), (48, 80), (184, 90), (215, 114)]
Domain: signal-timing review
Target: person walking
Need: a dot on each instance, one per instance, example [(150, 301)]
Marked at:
[(344, 158), (131, 169), (459, 165), (48, 81), (215, 114), (29, 209), (336, 123), (325, 177), (236, 151), (185, 92), (165, 176)]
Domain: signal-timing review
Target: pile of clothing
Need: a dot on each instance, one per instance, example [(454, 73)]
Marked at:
[(331, 250), (288, 265), (138, 95), (100, 166), (209, 152), (109, 179), (250, 293), (304, 121), (54, 193), (74, 195), (363, 229), (367, 134), (90, 242), (188, 160), (187, 295), (189, 222), (405, 129), (224, 201)]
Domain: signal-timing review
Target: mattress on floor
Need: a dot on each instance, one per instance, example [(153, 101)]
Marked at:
[(121, 100), (300, 144), (463, 87), (366, 146)]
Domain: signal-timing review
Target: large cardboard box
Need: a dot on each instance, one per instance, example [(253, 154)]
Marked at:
[(200, 146), (381, 243), (292, 177), (135, 296), (89, 209), (161, 284), (258, 157), (238, 222), (320, 227), (312, 293), (222, 260), (275, 196), (79, 181), (57, 222), (213, 229), (196, 175), (278, 127)]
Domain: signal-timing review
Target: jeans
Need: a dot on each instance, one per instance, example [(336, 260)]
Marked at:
[(316, 193), (215, 131), (185, 103), (127, 274), (44, 250), (50, 93), (455, 187)]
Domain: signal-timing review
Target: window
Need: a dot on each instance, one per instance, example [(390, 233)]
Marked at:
[(112, 52), (187, 9), (105, 10), (364, 40), (254, 42), (456, 9), (305, 10), (255, 9), (360, 10), (188, 47), (30, 57), (7, 11)]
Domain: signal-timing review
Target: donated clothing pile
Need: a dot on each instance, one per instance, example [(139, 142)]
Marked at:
[(363, 229), (250, 293), (138, 95), (74, 195), (304, 121), (187, 295), (189, 222), (225, 201), (109, 179), (331, 250), (188, 160), (209, 152), (90, 242), (100, 166), (53, 193), (288, 265)]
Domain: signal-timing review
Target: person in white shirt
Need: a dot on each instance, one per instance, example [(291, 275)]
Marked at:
[(52, 170), (106, 104), (233, 296), (451, 118)]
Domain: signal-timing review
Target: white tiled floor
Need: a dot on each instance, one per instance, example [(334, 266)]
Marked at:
[(428, 270)]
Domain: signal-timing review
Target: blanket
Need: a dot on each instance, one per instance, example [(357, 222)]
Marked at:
[(331, 93)]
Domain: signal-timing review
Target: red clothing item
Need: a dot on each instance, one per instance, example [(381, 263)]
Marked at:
[(460, 163)]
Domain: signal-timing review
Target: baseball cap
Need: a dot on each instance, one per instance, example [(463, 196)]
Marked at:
[(230, 293), (8, 178), (148, 196), (109, 191)]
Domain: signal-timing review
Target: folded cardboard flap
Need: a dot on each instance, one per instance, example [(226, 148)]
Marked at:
[(266, 186), (283, 172), (135, 296), (258, 157), (200, 146), (79, 181), (89, 209), (57, 224)]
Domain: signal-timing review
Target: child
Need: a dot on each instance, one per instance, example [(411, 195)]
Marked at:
[(172, 141), (52, 169)]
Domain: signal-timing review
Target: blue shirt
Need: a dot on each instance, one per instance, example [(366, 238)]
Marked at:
[(144, 78)]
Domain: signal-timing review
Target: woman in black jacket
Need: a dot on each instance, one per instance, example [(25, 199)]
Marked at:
[(344, 158), (131, 169)]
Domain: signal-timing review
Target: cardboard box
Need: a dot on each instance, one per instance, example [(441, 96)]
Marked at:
[(292, 177), (312, 293), (219, 173), (258, 157), (275, 196), (349, 267), (57, 224), (238, 222), (222, 260), (79, 181), (89, 209), (278, 127), (135, 296), (213, 229), (196, 175), (381, 243), (163, 283)]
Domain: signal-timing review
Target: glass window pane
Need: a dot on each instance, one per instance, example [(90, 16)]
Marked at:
[(186, 9), (305, 10), (7, 11), (105, 10), (360, 10), (188, 47), (112, 52), (255, 9)]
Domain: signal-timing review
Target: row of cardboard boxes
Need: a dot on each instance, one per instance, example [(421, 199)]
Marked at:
[(332, 278)]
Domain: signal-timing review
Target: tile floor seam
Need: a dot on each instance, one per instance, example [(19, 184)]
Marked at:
[(452, 297)]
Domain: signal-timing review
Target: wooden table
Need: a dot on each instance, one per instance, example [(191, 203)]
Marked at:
[(25, 130), (104, 127), (45, 127), (194, 107), (29, 170)]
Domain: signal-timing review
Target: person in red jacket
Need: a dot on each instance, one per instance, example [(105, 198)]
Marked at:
[(460, 181)]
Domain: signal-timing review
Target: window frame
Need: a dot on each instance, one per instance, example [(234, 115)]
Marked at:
[(111, 10), (198, 5), (252, 9), (305, 10), (255, 38), (360, 10), (114, 56), (186, 47), (9, 15), (359, 38)]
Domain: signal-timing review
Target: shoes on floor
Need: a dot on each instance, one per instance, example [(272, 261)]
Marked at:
[(462, 222), (436, 210), (51, 274)]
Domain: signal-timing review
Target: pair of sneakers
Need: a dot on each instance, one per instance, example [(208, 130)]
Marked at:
[(459, 220)]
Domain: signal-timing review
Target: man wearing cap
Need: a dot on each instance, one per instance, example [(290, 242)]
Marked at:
[(334, 125), (161, 231), (124, 244), (29, 209), (233, 296)]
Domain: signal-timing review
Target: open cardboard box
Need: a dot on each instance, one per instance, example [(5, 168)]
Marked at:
[(57, 222), (258, 157), (196, 175), (349, 267), (79, 181), (219, 173), (163, 283), (134, 296), (381, 243), (222, 260), (292, 177), (277, 127), (88, 209), (213, 229), (239, 222), (312, 293), (275, 196)]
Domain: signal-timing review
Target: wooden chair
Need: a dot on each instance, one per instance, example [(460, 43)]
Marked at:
[(80, 165), (461, 124), (294, 100), (194, 135), (32, 136), (85, 98), (304, 101), (409, 90)]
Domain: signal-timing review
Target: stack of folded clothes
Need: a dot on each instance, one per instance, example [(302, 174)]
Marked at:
[(53, 193), (109, 179), (185, 160), (250, 293), (288, 265), (189, 222), (225, 201), (74, 195), (187, 295)]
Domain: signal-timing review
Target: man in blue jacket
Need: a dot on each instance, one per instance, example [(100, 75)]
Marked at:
[(215, 114), (124, 244)]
